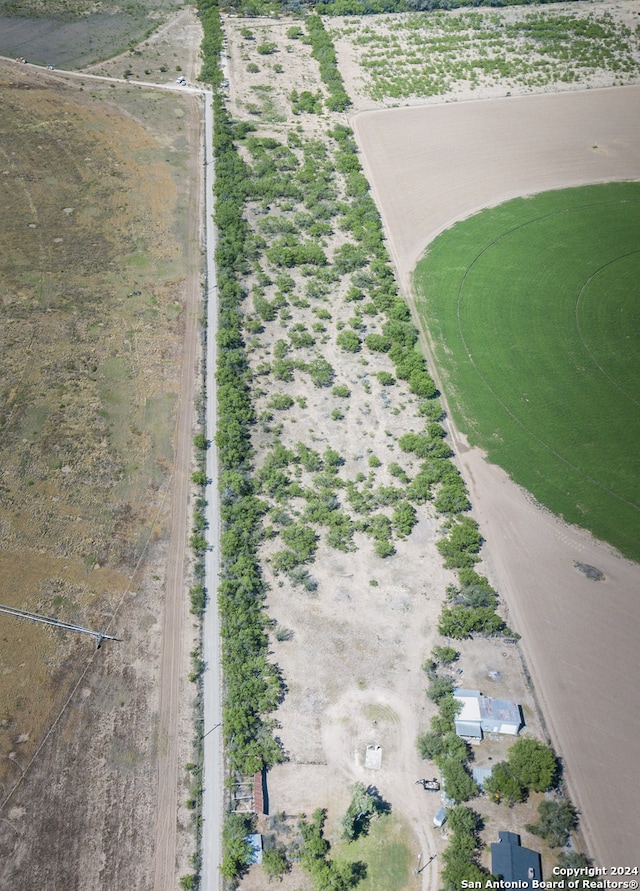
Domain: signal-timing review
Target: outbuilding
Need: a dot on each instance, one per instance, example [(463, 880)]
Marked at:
[(484, 714)]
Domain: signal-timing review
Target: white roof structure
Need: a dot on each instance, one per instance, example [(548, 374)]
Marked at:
[(484, 714)]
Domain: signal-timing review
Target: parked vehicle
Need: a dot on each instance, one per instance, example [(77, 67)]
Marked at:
[(440, 818)]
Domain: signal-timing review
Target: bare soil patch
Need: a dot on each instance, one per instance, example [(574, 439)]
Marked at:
[(96, 307), (430, 166), (497, 150)]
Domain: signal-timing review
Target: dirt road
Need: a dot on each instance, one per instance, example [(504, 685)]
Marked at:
[(174, 657), (430, 166)]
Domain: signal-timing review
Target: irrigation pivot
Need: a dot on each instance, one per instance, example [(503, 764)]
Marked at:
[(46, 620)]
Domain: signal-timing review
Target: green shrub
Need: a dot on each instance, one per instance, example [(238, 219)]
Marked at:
[(444, 655), (460, 548), (383, 548), (349, 257), (296, 254), (235, 845), (198, 598), (281, 401), (459, 783), (534, 764), (305, 102), (321, 372), (378, 343), (349, 341), (556, 819), (404, 518), (460, 622), (502, 785)]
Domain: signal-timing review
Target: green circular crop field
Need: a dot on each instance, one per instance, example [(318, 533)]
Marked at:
[(534, 313)]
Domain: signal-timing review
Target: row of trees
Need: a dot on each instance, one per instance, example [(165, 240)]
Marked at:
[(324, 52), (253, 686), (363, 7)]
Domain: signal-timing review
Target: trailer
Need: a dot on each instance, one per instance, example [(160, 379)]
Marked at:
[(429, 785)]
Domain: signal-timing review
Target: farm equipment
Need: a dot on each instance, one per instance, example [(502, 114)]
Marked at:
[(430, 785)]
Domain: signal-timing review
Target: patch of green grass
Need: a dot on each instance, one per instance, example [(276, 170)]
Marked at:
[(386, 851), (534, 310)]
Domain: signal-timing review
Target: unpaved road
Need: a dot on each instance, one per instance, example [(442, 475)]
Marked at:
[(430, 166), (172, 663)]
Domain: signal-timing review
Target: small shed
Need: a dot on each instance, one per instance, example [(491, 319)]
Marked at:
[(260, 805), (481, 774), (373, 757)]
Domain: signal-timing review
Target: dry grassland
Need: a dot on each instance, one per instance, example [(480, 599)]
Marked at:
[(94, 313)]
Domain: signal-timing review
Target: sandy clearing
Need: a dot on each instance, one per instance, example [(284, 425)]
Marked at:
[(579, 637)]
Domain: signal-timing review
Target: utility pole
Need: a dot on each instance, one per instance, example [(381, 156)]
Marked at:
[(98, 636)]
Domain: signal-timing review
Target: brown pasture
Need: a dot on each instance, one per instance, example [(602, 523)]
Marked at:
[(96, 243)]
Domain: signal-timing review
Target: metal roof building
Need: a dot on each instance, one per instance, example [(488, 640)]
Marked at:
[(511, 862), (484, 714), (481, 774)]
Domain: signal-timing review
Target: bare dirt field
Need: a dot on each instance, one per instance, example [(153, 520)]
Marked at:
[(430, 166), (100, 295)]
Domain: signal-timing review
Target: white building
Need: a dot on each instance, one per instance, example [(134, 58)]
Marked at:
[(484, 714)]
